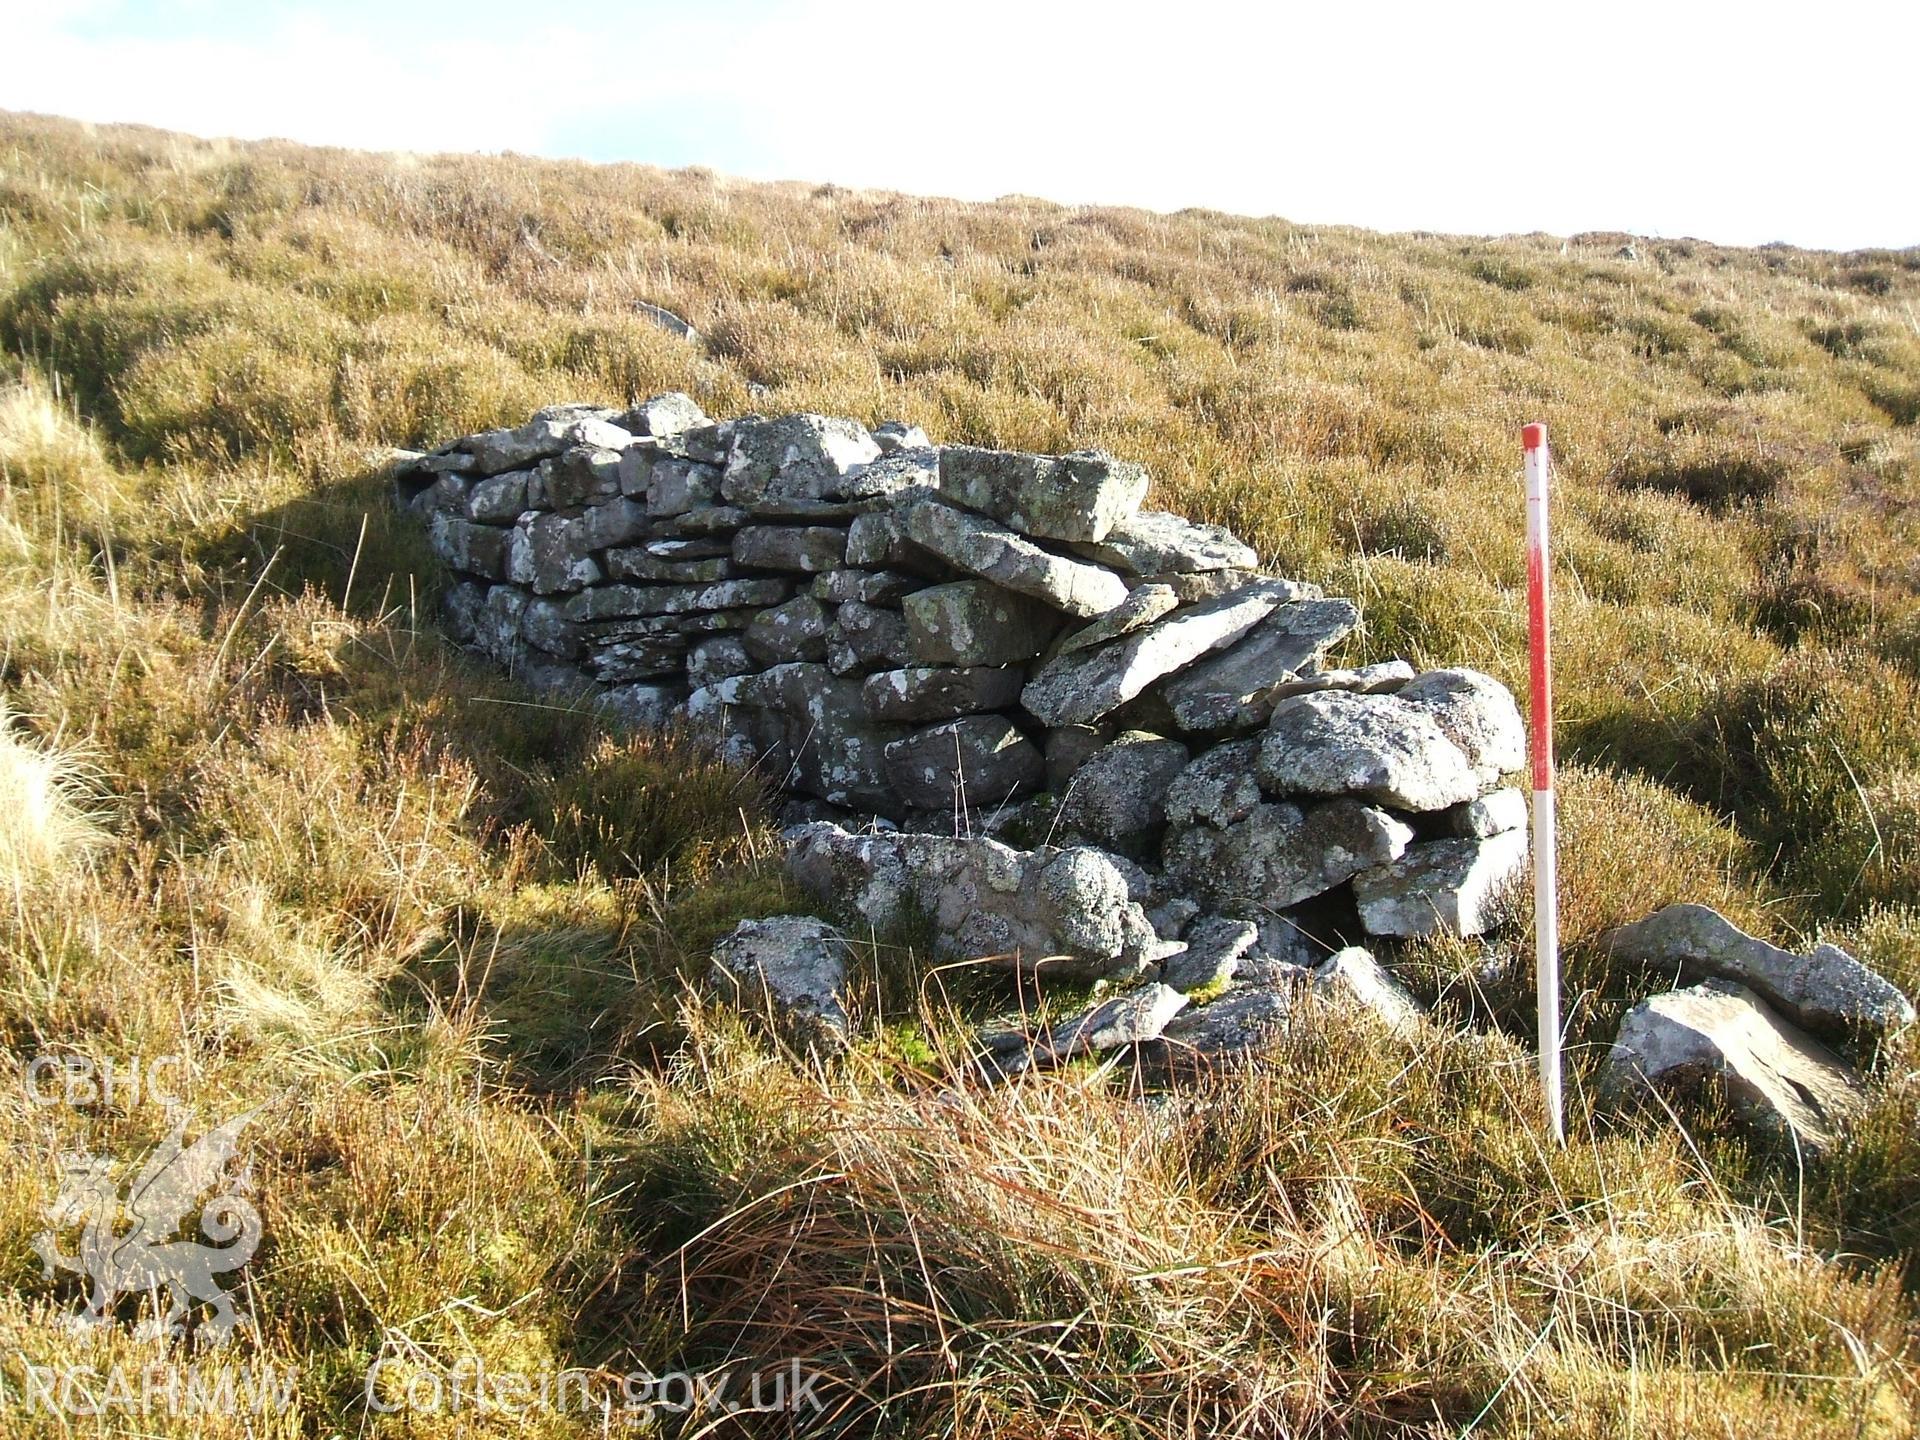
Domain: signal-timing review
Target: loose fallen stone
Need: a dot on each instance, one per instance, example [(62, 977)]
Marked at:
[(1779, 1077), (791, 967), (1826, 990)]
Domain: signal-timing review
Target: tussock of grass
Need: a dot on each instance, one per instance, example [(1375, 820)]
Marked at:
[(450, 934)]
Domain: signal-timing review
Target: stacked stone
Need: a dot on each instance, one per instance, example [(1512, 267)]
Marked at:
[(951, 638)]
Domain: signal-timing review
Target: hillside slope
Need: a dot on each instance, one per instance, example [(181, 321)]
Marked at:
[(267, 818)]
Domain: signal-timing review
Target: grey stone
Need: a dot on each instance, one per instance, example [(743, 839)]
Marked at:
[(717, 658), (499, 499), (876, 541), (580, 475), (638, 657), (663, 415), (973, 762), (693, 624), (1281, 854), (1234, 690), (446, 495), (1154, 542), (461, 607), (1353, 976), (865, 638), (808, 549), (549, 553), (539, 439), (1477, 713), (475, 549), (1060, 914), (1382, 679), (544, 625), (497, 626), (1171, 917), (1285, 954), (1492, 814), (895, 435), (1191, 587), (971, 622), (1069, 747), (706, 520), (795, 630), (642, 706), (796, 457), (1081, 687), (1215, 944), (864, 587), (645, 562), (993, 552), (1441, 886), (1719, 1033), (839, 753), (1141, 608), (677, 487), (792, 966), (1218, 788), (618, 521), (668, 321), (1228, 1030), (1382, 747), (1117, 799), (917, 694), (1826, 990), (891, 475), (1070, 497), (612, 601), (1132, 1017)]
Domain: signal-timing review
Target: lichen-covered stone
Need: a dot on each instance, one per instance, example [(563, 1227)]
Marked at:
[(865, 638), (1117, 798), (807, 549), (1441, 886), (974, 761), (796, 457), (1281, 854), (1380, 747), (1235, 690), (1154, 542), (1067, 497), (917, 694), (979, 547), (971, 622)]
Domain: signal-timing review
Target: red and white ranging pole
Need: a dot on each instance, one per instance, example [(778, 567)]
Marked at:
[(1546, 904)]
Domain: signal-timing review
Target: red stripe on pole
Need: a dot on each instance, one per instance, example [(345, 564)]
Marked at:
[(1546, 909)]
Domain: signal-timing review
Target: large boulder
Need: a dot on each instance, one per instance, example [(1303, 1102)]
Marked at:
[(980, 547), (1080, 496), (1080, 687), (1721, 1034), (1380, 747), (1825, 990), (793, 968), (1448, 886)]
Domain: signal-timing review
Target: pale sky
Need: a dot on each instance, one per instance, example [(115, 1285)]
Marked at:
[(1740, 123)]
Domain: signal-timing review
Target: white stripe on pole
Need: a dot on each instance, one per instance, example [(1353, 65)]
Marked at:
[(1546, 898)]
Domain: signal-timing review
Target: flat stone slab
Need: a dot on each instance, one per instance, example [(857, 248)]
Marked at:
[(796, 457), (605, 602), (1237, 689), (1141, 608), (993, 552), (1441, 886), (1825, 990), (1130, 1018), (1079, 688), (1155, 542), (1080, 496), (1777, 1076), (1215, 945), (1226, 1031), (916, 694), (806, 549)]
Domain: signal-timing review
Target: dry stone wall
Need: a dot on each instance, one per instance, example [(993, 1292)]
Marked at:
[(945, 647)]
